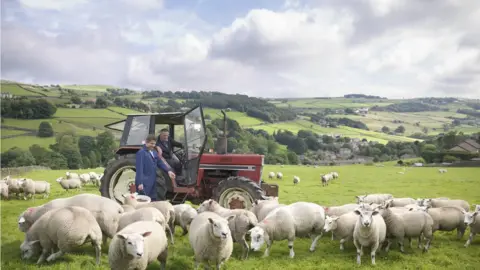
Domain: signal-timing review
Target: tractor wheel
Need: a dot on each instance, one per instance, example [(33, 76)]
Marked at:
[(237, 192), (118, 178)]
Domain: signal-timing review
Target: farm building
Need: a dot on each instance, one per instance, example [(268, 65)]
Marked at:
[(469, 145)]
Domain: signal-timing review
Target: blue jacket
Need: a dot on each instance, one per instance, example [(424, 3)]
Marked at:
[(146, 170)]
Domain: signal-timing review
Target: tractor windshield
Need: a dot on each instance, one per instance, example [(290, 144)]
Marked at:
[(195, 133)]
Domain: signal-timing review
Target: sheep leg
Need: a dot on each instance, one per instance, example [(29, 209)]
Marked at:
[(315, 241), (55, 256), (389, 243), (42, 256), (98, 249), (401, 242), (162, 258), (332, 236), (267, 250), (170, 233), (290, 247), (420, 241), (470, 239), (342, 241), (245, 248), (460, 233), (374, 250), (359, 251)]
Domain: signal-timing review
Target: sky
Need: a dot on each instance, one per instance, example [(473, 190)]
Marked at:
[(263, 48)]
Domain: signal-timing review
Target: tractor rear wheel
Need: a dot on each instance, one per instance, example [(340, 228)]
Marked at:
[(237, 192), (118, 178)]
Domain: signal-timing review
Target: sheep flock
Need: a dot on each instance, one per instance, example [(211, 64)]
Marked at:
[(139, 231)]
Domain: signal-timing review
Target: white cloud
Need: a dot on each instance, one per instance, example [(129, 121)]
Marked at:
[(386, 48), (52, 4)]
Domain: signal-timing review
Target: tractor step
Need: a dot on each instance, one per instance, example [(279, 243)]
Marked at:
[(179, 198)]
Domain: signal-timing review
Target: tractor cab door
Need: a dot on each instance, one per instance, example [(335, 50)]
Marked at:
[(195, 140)]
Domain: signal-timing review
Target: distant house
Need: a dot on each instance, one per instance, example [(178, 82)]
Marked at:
[(7, 95), (362, 111), (468, 145)]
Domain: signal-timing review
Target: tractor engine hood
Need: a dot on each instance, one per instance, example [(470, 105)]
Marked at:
[(232, 159)]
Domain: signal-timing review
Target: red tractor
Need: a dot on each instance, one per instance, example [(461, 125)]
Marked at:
[(234, 180)]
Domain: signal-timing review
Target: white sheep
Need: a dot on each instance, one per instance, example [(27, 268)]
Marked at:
[(64, 228), (407, 224), (271, 175), (85, 178), (472, 219), (334, 175), (442, 170), (326, 178), (184, 214), (127, 208), (14, 186), (165, 207), (447, 218), (106, 211), (400, 202), (261, 208), (296, 180), (142, 214), (341, 226), (288, 222), (71, 175), (138, 245), (375, 198), (435, 203), (96, 180), (370, 231), (31, 188), (211, 239), (4, 189), (477, 208), (340, 210), (243, 222), (71, 183), (279, 175)]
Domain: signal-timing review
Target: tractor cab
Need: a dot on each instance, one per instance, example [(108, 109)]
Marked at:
[(187, 128)]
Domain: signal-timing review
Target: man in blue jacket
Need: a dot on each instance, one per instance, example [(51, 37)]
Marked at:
[(147, 161)]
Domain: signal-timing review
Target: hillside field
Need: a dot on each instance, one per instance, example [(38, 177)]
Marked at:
[(446, 252)]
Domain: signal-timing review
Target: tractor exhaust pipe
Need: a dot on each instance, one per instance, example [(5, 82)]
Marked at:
[(222, 140)]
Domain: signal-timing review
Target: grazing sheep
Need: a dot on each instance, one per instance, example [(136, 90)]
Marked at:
[(279, 175), (64, 228), (184, 214), (31, 188), (261, 208), (85, 178), (334, 175), (243, 222), (472, 219), (142, 214), (298, 219), (370, 231), (14, 186), (447, 218), (71, 175), (165, 207), (340, 210), (210, 238), (442, 170), (326, 178), (127, 208), (399, 202), (407, 224), (341, 226), (106, 211), (375, 198), (271, 175), (4, 189), (71, 183), (138, 245), (296, 180), (477, 208), (435, 203)]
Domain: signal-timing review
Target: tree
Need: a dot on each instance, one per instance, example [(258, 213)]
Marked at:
[(101, 102), (385, 129), (106, 145), (45, 130), (76, 100), (400, 129), (86, 144), (93, 159)]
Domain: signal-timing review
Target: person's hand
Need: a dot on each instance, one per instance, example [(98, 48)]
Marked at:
[(140, 187), (172, 175), (159, 150)]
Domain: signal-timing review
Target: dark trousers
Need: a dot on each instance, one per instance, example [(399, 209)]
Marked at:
[(175, 163)]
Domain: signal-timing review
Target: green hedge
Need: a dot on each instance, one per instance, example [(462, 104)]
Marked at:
[(431, 156)]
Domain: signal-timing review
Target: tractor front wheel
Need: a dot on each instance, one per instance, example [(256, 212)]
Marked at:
[(237, 192), (118, 179)]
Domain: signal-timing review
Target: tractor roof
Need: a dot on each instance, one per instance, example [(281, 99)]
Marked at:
[(173, 118)]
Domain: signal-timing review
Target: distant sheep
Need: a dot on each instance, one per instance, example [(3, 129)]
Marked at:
[(442, 170), (398, 202), (279, 175), (296, 180), (271, 175), (326, 178), (72, 183), (374, 198), (31, 188), (4, 189), (334, 175)]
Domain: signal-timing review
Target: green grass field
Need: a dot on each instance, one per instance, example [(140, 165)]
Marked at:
[(88, 87), (334, 103), (446, 252), (297, 125), (16, 90), (242, 118)]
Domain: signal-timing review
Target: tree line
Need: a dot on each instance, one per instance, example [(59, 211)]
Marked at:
[(407, 107), (24, 108)]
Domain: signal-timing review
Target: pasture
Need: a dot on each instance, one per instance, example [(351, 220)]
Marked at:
[(446, 252), (333, 103), (242, 118)]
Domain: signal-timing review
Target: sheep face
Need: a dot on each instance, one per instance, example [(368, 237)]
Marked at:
[(469, 218), (420, 202), (360, 198), (220, 227), (330, 223), (427, 202), (257, 236), (28, 249), (134, 243), (366, 216), (477, 208)]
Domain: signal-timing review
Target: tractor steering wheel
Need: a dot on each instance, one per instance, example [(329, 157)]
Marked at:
[(180, 153)]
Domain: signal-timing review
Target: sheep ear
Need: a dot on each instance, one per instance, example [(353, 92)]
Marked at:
[(211, 220), (255, 202), (375, 212), (34, 242), (210, 202), (123, 195), (410, 209), (475, 213), (21, 220), (357, 212), (335, 218), (231, 217), (123, 236), (145, 234)]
